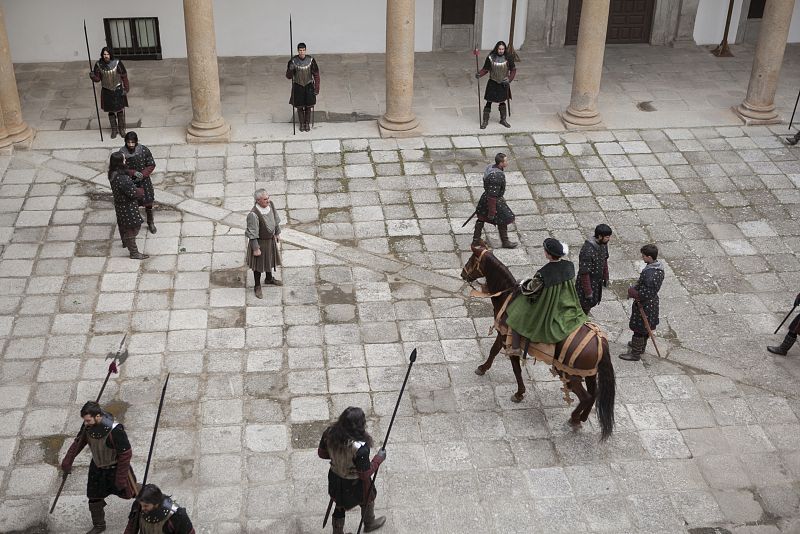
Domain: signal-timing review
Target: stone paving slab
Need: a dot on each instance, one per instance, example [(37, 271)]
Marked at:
[(706, 437)]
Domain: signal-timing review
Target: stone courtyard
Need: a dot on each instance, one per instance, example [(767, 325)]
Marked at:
[(707, 436)]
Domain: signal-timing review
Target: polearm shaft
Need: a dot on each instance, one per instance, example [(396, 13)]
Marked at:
[(797, 100), (785, 319), (94, 91), (291, 55), (155, 431), (412, 359), (60, 489), (477, 71)]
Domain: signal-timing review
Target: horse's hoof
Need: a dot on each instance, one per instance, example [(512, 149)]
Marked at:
[(480, 371), (574, 424), (517, 398)]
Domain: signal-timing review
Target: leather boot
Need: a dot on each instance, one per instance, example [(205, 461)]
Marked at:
[(503, 115), (112, 118), (98, 517), (476, 233), (503, 229), (793, 140), (121, 122), (636, 349), (306, 120), (784, 347), (487, 110), (338, 525), (134, 253), (370, 521), (151, 226)]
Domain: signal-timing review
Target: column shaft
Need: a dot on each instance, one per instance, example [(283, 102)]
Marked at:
[(399, 119), (591, 47), (759, 104), (208, 124), (17, 129)]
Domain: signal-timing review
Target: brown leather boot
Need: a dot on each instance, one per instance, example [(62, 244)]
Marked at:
[(486, 112), (151, 226), (476, 233), (133, 250), (503, 229), (338, 525), (121, 123), (112, 118), (784, 347), (370, 521), (503, 115), (636, 349), (258, 292), (98, 517)]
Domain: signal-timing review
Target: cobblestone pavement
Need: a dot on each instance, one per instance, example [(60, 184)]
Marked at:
[(708, 436), (681, 86)]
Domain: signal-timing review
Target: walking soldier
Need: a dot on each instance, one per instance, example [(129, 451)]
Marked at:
[(113, 79), (492, 207), (791, 335), (141, 165), (346, 444), (126, 195), (304, 73), (155, 513), (593, 268), (644, 315), (109, 471), (263, 234), (502, 70)]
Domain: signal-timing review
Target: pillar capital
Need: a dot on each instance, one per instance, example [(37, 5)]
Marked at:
[(208, 125), (399, 119)]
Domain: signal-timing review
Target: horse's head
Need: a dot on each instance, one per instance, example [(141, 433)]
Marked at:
[(473, 268)]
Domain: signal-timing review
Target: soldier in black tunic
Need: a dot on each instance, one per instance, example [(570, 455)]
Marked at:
[(126, 195), (502, 70), (155, 513), (593, 268), (302, 69), (110, 472), (492, 207), (113, 79), (645, 292), (791, 335), (141, 165), (346, 444)]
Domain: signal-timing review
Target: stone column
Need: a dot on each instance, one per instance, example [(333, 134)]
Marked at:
[(759, 104), (591, 47), (399, 119), (208, 124), (16, 129)]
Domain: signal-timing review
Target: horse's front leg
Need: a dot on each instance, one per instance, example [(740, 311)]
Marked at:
[(498, 344), (585, 401), (520, 394)]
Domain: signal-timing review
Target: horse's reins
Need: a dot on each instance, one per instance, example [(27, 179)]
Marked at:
[(484, 294)]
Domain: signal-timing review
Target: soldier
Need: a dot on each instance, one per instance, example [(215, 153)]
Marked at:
[(346, 444), (791, 335), (155, 513), (501, 70), (126, 195), (492, 207), (109, 471), (304, 73), (141, 165), (263, 234), (645, 293), (593, 268), (550, 310), (113, 78)]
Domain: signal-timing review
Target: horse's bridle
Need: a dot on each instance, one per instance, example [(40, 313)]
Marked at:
[(477, 268)]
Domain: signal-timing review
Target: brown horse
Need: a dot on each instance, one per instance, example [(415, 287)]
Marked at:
[(584, 355)]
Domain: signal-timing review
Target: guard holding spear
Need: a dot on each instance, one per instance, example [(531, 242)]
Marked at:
[(791, 335), (113, 78), (502, 70)]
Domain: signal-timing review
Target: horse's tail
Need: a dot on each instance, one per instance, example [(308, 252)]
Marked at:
[(606, 391)]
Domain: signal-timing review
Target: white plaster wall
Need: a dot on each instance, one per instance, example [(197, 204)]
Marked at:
[(497, 20), (42, 30), (710, 22)]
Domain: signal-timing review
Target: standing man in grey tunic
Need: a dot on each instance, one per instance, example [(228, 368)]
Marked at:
[(263, 234)]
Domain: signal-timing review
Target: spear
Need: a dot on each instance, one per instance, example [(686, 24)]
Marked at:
[(477, 70), (412, 359), (291, 54), (94, 92)]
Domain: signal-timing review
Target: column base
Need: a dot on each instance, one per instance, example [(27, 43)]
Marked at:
[(213, 132), (391, 128), (753, 116), (577, 120), (24, 137)]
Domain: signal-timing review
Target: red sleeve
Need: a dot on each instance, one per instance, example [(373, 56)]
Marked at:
[(512, 74), (95, 75), (633, 293), (148, 170), (316, 82), (373, 466), (586, 283), (288, 72), (125, 84), (77, 446), (322, 448), (123, 466), (483, 72)]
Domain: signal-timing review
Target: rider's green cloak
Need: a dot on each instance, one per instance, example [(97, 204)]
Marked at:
[(553, 311)]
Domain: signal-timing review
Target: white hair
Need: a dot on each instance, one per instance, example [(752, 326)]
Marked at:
[(565, 247), (259, 193)]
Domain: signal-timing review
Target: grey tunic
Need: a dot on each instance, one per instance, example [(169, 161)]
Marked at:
[(261, 231)]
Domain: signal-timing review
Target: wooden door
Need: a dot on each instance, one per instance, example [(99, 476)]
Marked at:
[(458, 24), (629, 21)]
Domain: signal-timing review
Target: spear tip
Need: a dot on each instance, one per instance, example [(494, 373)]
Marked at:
[(413, 357)]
